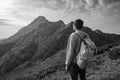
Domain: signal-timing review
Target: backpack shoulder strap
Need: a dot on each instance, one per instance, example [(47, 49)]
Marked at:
[(83, 40), (80, 42), (79, 36)]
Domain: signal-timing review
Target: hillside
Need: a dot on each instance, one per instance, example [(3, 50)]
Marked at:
[(106, 67), (41, 44)]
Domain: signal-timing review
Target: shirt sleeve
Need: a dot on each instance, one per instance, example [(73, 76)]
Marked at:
[(70, 53)]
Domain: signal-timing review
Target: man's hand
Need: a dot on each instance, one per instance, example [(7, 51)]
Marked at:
[(67, 68)]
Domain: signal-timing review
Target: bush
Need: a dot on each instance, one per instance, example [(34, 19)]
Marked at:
[(115, 77), (114, 54)]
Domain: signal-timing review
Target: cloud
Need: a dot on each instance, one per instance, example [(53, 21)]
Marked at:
[(5, 22), (73, 6), (92, 5), (50, 4)]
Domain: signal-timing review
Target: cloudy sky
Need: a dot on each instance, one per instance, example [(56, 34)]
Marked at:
[(97, 14)]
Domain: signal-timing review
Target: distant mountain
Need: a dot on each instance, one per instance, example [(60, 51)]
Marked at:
[(98, 31), (40, 40), (1, 39)]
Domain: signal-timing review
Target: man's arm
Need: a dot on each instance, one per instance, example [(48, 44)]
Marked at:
[(70, 49)]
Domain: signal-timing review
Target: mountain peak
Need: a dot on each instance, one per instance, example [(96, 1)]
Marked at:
[(60, 21), (38, 20), (41, 19)]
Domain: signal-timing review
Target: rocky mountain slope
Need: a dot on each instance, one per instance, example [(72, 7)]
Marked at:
[(105, 67), (41, 44)]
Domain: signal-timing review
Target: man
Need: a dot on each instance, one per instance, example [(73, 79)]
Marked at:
[(73, 47)]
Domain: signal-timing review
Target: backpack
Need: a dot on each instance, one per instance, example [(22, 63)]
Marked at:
[(87, 51)]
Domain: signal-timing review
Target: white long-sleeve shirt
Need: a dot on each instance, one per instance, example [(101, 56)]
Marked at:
[(73, 47)]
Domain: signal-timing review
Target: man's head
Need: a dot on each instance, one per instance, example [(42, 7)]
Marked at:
[(78, 24)]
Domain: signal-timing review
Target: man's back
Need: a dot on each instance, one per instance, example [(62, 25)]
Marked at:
[(73, 47)]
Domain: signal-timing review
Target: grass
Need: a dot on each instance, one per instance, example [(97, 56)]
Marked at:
[(114, 54)]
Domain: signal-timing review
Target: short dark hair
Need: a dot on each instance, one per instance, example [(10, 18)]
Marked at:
[(78, 24)]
